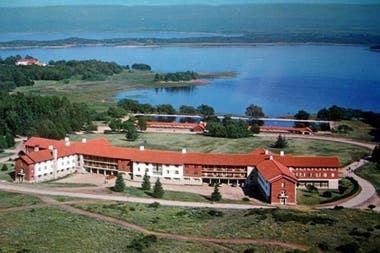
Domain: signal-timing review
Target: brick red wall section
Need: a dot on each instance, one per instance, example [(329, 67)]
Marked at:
[(28, 170), (192, 170), (124, 165), (289, 188)]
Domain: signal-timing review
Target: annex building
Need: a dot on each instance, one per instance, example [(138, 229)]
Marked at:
[(275, 175)]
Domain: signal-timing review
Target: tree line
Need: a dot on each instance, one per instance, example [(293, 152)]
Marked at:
[(12, 76), (176, 76), (50, 117)]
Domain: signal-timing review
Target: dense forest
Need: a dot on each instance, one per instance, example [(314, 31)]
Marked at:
[(12, 76), (50, 117), (176, 76)]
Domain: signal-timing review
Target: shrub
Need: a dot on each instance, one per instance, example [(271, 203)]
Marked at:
[(158, 191), (119, 183), (145, 185), (216, 213), (154, 205), (323, 246), (249, 250), (351, 247), (245, 199), (371, 206), (142, 243), (327, 194), (215, 195), (4, 167)]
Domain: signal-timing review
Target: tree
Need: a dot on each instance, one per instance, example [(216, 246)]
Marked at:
[(254, 111), (115, 124), (130, 129), (141, 123), (215, 195), (158, 191), (146, 182), (255, 129), (205, 110), (301, 114), (188, 110), (280, 142), (119, 183)]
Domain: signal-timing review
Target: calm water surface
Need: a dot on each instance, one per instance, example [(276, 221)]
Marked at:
[(281, 79)]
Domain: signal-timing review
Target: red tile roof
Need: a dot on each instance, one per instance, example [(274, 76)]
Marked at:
[(102, 148), (309, 161), (273, 170)]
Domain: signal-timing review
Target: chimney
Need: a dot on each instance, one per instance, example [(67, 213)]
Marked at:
[(84, 140), (267, 152), (50, 147), (184, 151), (36, 148), (67, 141), (282, 153), (142, 148), (55, 153), (271, 158)]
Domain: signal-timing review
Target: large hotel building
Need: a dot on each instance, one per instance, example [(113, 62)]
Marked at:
[(275, 175)]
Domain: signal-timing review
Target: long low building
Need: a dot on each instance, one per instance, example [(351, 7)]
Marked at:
[(276, 175)]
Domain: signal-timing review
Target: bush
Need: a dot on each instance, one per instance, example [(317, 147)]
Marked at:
[(351, 247), (327, 194), (142, 243), (158, 191), (119, 183), (215, 195), (245, 199), (154, 205), (4, 167)]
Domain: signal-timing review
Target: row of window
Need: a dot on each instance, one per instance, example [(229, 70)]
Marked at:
[(318, 174)]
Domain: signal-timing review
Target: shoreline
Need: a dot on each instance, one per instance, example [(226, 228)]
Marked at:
[(185, 44)]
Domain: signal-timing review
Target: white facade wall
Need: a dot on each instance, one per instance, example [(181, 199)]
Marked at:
[(45, 170), (166, 171)]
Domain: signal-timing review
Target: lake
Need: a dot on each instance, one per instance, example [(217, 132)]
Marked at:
[(282, 79)]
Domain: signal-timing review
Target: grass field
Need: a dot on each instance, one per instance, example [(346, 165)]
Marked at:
[(305, 197), (9, 199), (199, 143), (303, 227), (360, 130), (99, 95), (371, 172)]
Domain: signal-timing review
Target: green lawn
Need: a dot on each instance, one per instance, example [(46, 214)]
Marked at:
[(53, 230), (9, 199), (371, 172), (6, 175), (200, 143), (301, 227), (305, 197), (360, 130)]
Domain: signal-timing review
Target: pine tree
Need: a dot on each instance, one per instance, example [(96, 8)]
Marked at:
[(215, 195), (146, 182), (158, 191), (281, 142), (119, 183)]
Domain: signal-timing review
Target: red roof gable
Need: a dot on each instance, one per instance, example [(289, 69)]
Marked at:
[(43, 143), (272, 170)]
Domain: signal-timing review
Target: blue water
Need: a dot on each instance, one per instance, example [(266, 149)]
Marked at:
[(281, 79)]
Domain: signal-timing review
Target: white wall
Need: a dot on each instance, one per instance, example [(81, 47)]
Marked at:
[(164, 171)]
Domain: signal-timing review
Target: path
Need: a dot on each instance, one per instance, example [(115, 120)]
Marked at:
[(30, 189), (209, 240)]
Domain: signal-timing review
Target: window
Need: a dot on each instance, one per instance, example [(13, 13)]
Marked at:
[(332, 174), (324, 174), (282, 185), (176, 172)]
